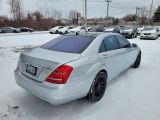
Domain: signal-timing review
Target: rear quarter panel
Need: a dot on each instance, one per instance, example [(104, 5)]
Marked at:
[(84, 72)]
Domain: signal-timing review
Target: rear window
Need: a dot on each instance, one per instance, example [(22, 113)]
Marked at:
[(69, 44)]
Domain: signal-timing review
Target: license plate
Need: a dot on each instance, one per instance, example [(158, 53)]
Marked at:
[(31, 70)]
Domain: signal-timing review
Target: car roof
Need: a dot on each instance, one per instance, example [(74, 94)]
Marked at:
[(92, 34)]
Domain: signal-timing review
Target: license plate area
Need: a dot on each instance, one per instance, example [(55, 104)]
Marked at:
[(31, 69)]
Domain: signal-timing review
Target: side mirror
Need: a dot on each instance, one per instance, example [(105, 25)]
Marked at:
[(134, 45)]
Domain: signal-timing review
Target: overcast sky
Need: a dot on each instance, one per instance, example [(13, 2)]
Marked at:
[(118, 8)]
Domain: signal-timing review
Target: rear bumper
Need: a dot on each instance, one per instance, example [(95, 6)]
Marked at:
[(54, 94)]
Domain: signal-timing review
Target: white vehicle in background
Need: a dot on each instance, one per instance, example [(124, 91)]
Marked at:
[(149, 33), (88, 28), (55, 29), (65, 30), (140, 29), (77, 29), (110, 29)]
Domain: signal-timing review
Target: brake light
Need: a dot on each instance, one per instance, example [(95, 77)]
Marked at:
[(60, 75)]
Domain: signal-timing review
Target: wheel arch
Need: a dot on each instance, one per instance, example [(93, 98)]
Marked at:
[(104, 71)]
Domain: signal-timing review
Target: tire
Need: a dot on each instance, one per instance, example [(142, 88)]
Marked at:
[(14, 31), (98, 87), (66, 32), (132, 36), (138, 61), (56, 32), (135, 35), (156, 38)]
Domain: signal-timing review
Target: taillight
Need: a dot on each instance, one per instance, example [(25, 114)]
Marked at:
[(60, 75)]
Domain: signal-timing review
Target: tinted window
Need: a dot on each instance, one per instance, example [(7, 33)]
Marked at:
[(122, 41), (111, 43), (102, 48), (70, 44)]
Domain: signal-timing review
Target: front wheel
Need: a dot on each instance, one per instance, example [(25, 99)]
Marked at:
[(132, 36), (138, 61), (98, 87), (135, 35), (15, 31)]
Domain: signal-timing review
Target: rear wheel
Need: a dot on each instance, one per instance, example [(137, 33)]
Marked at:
[(66, 32), (98, 87), (138, 61)]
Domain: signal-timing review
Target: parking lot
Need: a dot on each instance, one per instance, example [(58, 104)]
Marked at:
[(134, 95)]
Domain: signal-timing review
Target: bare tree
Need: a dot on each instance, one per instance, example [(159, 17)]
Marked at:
[(16, 9), (57, 14), (143, 15), (73, 16), (37, 15)]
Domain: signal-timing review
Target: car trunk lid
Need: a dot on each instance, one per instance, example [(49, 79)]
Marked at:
[(43, 62)]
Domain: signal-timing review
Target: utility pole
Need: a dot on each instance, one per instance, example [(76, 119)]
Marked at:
[(150, 12), (137, 15), (108, 1), (85, 15)]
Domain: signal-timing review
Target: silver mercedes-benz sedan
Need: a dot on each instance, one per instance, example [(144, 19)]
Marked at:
[(71, 67)]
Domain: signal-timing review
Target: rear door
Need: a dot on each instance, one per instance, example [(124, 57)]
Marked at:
[(129, 53), (112, 56)]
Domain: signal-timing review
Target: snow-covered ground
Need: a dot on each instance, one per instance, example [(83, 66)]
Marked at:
[(134, 95)]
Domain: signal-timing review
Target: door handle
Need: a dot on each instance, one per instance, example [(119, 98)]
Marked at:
[(104, 56)]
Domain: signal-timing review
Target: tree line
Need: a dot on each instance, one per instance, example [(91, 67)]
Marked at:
[(45, 18), (142, 16), (42, 19)]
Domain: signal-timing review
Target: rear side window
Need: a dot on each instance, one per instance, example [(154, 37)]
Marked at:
[(69, 44), (122, 41), (102, 48), (111, 43)]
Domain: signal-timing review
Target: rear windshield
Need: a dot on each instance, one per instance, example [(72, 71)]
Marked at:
[(69, 44)]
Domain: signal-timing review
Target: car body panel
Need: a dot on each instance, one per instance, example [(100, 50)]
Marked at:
[(86, 66), (65, 30), (55, 29)]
